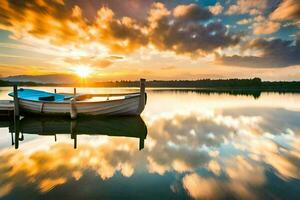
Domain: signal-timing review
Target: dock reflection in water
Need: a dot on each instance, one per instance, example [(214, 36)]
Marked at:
[(130, 126)]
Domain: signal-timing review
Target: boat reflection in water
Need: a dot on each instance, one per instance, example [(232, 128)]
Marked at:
[(129, 126)]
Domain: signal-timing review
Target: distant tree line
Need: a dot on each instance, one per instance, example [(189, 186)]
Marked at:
[(254, 85), (7, 83), (208, 83)]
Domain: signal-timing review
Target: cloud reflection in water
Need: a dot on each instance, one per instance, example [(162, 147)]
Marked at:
[(217, 154)]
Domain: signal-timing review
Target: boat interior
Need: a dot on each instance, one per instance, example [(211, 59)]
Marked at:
[(43, 96)]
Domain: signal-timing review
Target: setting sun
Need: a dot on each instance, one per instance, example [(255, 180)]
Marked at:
[(83, 71)]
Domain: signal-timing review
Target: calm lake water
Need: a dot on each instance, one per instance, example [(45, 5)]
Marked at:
[(186, 145)]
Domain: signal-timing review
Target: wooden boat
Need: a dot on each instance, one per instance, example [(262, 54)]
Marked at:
[(46, 103), (116, 126)]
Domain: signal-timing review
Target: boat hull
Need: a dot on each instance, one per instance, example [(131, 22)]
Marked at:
[(133, 105)]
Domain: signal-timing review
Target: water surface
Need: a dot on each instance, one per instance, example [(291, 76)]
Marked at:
[(186, 145)]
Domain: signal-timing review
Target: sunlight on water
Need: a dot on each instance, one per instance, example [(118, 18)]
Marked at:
[(187, 145)]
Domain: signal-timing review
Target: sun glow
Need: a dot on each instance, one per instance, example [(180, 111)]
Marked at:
[(83, 71)]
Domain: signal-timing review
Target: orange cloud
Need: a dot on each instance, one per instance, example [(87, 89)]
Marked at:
[(63, 163), (191, 12), (265, 27), (287, 10), (120, 35), (201, 188), (39, 18), (165, 29), (239, 183), (215, 167), (252, 7), (216, 9)]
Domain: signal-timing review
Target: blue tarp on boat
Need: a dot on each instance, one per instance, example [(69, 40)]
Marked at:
[(38, 95)]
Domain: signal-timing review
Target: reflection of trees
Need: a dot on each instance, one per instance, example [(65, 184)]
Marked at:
[(236, 92)]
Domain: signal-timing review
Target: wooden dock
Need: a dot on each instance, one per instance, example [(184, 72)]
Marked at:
[(7, 108)]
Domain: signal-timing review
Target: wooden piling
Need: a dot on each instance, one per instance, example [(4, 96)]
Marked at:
[(142, 85), (17, 131), (142, 102), (73, 110), (141, 143), (73, 132), (75, 141), (16, 101), (55, 90)]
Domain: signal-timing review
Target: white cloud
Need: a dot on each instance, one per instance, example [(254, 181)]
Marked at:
[(216, 9), (252, 7)]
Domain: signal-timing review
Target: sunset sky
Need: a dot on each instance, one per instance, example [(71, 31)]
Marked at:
[(118, 39)]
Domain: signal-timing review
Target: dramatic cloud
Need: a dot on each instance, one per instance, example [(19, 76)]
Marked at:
[(58, 24), (183, 30), (260, 25), (88, 32), (43, 18), (191, 12), (287, 10), (252, 7), (275, 53), (124, 35), (187, 36), (121, 8), (265, 27)]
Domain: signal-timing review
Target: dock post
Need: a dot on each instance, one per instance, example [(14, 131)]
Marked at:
[(16, 101), (142, 102), (141, 144), (73, 110), (55, 90), (75, 141), (17, 131), (73, 133), (142, 85)]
